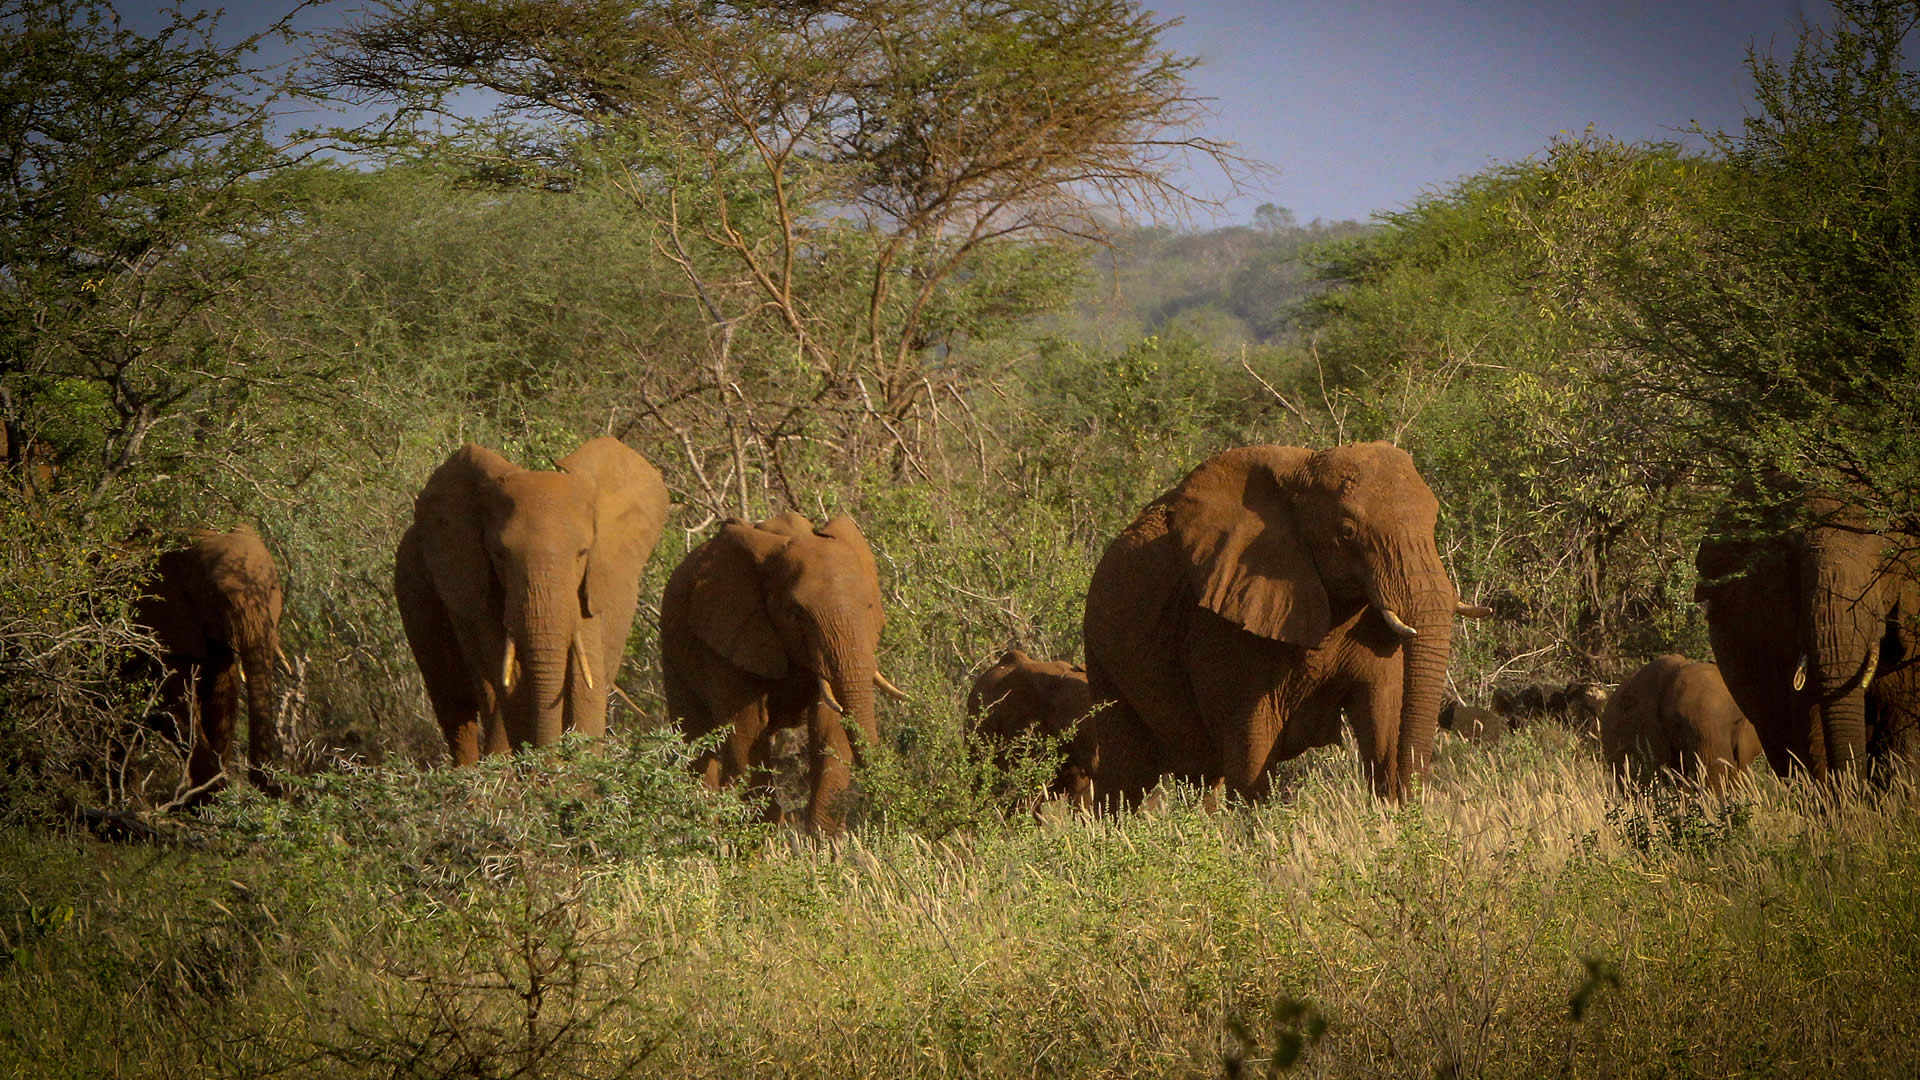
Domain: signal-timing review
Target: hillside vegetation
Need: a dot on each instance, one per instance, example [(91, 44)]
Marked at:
[(901, 260)]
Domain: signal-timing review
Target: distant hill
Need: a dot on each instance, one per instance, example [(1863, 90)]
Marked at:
[(1242, 284)]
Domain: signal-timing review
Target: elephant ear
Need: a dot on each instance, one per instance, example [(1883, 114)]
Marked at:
[(629, 510), (1233, 519), (729, 609), (449, 513)]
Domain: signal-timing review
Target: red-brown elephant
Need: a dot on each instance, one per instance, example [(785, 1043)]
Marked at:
[(1816, 628), (1243, 611), (509, 572), (1018, 696), (214, 607), (773, 626)]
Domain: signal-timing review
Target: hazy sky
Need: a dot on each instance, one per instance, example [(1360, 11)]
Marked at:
[(1363, 104)]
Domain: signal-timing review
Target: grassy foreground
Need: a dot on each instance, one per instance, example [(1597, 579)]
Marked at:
[(568, 914)]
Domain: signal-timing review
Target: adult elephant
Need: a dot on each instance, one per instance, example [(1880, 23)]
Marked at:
[(1677, 714), (214, 607), (1243, 611), (774, 626), (1816, 628), (517, 588), (1019, 695)]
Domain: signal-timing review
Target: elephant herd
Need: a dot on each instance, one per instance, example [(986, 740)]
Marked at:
[(1270, 596)]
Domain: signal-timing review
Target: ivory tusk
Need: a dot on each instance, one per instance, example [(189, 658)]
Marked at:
[(1873, 664), (1406, 632), (1800, 674), (1471, 611), (881, 681), (580, 654), (506, 667), (826, 694)]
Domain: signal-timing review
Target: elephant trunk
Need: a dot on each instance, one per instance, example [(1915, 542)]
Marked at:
[(543, 634), (1843, 716), (853, 688), (846, 670), (1427, 607), (587, 697), (257, 645), (1843, 633)]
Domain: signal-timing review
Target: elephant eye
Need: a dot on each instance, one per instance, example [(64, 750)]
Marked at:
[(1349, 532)]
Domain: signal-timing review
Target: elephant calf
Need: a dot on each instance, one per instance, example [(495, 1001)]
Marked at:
[(1676, 713), (1019, 695), (1473, 723)]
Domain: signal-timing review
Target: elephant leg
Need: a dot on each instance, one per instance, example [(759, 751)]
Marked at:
[(1373, 710), (830, 769), (217, 697), (743, 753), (456, 692), (1234, 676), (178, 700), (1126, 757), (729, 703)]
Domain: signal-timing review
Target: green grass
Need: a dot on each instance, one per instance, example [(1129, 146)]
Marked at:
[(389, 925)]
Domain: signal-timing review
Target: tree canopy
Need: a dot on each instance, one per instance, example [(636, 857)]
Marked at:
[(855, 194)]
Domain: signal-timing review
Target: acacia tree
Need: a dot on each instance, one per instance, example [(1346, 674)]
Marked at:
[(853, 191), (130, 204)]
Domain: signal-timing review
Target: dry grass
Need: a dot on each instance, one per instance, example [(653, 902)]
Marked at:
[(1772, 932)]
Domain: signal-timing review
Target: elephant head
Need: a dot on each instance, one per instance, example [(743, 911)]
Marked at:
[(518, 588), (773, 625), (1018, 695), (1806, 622)]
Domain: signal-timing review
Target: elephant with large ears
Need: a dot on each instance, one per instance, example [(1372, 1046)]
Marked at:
[(214, 607), (1676, 713), (1816, 628), (772, 626), (1019, 695), (1274, 588), (517, 588)]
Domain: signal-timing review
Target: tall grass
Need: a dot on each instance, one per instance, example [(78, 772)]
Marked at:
[(1515, 920)]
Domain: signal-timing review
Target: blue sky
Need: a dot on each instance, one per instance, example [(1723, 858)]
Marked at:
[(1363, 104)]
